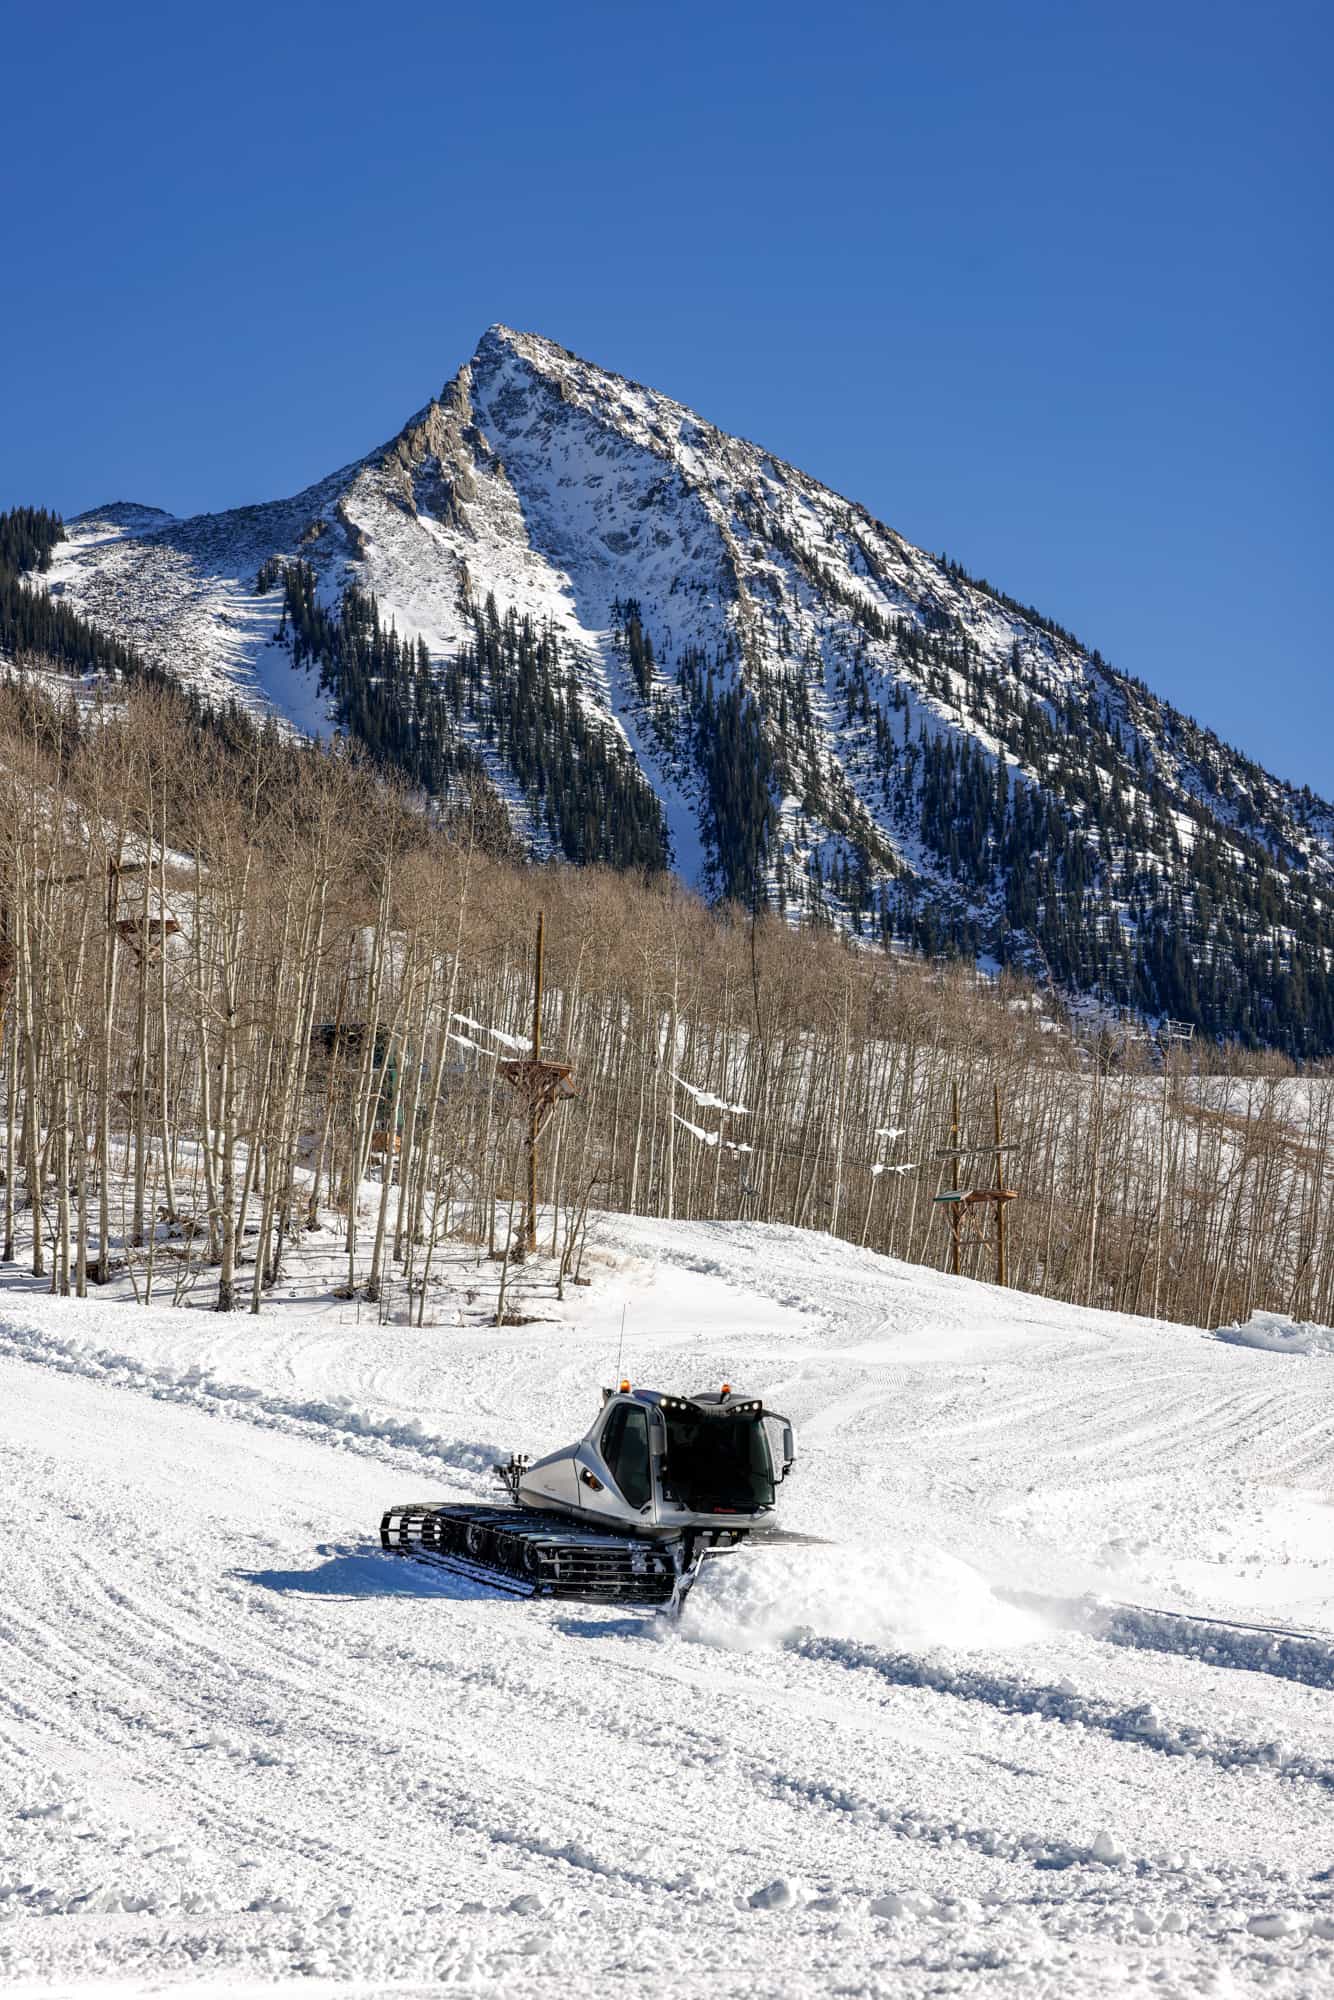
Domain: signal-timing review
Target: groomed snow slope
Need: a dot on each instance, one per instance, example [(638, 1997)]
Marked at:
[(238, 1744)]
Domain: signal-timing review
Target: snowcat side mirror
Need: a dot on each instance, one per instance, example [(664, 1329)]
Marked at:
[(789, 1451)]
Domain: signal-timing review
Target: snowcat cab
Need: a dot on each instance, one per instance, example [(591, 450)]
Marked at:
[(657, 1483), (656, 1464)]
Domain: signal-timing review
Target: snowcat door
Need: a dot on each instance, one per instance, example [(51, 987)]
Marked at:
[(782, 1444), (616, 1476)]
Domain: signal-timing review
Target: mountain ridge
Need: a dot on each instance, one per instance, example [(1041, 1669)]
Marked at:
[(659, 644)]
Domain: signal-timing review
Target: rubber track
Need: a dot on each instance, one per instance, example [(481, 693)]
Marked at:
[(527, 1554)]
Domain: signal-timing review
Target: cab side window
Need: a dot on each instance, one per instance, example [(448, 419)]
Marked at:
[(625, 1453)]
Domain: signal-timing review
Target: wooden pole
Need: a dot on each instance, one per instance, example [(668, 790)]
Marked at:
[(956, 1215), (534, 1102), (1000, 1198)]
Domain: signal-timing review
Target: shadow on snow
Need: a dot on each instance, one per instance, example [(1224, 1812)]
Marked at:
[(365, 1570)]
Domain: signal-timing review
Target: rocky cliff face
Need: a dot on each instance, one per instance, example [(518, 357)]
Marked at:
[(659, 643)]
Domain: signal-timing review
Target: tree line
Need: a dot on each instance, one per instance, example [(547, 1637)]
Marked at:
[(249, 988), (36, 626)]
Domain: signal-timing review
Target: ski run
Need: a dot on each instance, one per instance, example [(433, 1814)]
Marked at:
[(1050, 1715)]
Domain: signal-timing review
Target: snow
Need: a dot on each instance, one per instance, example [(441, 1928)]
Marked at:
[(183, 592), (708, 1100), (1277, 1335), (917, 1597), (710, 1138), (1044, 1710)]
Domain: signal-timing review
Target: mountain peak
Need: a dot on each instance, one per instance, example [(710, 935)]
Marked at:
[(500, 340), (659, 644), (502, 346)]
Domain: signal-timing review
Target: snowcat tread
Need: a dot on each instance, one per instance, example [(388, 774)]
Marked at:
[(531, 1554)]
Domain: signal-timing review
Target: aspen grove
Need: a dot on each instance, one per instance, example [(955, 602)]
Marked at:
[(252, 989)]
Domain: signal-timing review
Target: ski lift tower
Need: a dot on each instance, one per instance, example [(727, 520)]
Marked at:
[(962, 1205)]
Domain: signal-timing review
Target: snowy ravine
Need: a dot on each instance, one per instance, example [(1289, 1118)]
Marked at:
[(827, 710), (1053, 1716)]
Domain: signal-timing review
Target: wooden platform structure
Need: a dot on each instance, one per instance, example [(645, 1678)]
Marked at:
[(145, 935)]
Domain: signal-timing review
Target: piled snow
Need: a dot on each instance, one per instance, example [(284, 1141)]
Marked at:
[(1277, 1335), (915, 1596)]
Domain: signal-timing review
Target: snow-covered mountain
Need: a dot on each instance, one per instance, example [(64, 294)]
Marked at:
[(660, 644)]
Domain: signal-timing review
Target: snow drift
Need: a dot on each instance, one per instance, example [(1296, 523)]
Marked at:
[(1277, 1335)]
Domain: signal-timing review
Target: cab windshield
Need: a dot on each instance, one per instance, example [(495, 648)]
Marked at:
[(718, 1465)]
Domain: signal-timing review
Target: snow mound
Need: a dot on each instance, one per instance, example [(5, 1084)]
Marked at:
[(915, 1597), (1277, 1335), (780, 1894)]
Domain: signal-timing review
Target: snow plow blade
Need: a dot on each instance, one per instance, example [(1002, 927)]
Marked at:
[(525, 1553)]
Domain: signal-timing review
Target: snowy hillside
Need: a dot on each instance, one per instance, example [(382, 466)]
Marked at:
[(997, 1739), (659, 644)]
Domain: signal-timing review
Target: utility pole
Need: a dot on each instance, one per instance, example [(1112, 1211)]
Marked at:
[(1169, 1033), (534, 1103), (1000, 1196), (955, 1212), (543, 1085)]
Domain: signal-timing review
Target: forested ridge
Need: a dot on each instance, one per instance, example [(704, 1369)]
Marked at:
[(32, 622), (1077, 829), (1064, 849), (1086, 879), (510, 692)]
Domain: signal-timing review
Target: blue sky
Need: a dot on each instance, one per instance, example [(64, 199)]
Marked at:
[(1047, 286)]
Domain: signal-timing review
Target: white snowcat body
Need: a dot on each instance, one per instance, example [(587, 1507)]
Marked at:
[(655, 1465), (627, 1515)]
